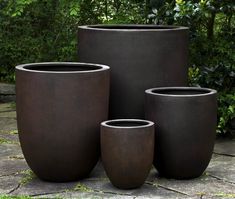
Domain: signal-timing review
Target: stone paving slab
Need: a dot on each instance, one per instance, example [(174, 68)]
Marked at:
[(10, 114), (223, 168), (204, 185), (225, 147), (10, 137), (5, 107), (36, 187), (7, 92), (90, 195), (9, 184), (16, 178), (7, 89), (12, 167), (8, 124), (7, 150), (147, 190)]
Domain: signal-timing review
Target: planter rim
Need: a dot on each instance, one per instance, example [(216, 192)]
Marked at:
[(146, 123), (207, 91), (133, 27), (99, 67)]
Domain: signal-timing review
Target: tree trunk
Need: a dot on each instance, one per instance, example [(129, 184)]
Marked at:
[(147, 11), (210, 26), (117, 5), (106, 9), (229, 21)]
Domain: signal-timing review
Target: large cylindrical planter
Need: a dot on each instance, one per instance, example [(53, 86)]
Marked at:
[(59, 110), (127, 148), (185, 121), (140, 57)]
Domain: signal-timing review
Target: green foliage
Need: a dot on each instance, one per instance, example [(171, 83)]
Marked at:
[(28, 176), (221, 78), (225, 195), (212, 46), (81, 187), (226, 111), (113, 11), (35, 31), (4, 141), (14, 197), (194, 76)]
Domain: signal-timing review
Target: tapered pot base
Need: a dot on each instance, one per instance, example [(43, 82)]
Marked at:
[(185, 119), (60, 106), (127, 147)]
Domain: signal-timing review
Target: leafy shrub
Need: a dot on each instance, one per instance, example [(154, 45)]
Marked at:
[(35, 31), (212, 47)]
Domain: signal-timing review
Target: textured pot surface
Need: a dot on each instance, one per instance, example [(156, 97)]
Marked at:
[(185, 121), (127, 147), (59, 110), (140, 57)]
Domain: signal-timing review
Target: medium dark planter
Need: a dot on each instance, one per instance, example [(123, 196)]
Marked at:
[(140, 57), (127, 147), (185, 121), (59, 110)]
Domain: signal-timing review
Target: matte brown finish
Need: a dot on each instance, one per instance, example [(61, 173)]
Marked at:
[(185, 120), (127, 147), (59, 110), (140, 57)]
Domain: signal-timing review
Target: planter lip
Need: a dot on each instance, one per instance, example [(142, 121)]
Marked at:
[(145, 123), (133, 27), (98, 67), (205, 91)]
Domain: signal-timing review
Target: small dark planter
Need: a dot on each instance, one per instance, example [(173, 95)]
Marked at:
[(185, 122), (127, 147), (140, 57), (59, 110)]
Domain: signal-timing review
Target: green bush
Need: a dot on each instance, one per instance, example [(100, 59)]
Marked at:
[(45, 30), (212, 47), (35, 31)]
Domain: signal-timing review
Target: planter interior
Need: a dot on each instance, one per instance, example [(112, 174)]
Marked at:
[(133, 27), (62, 67), (181, 91), (127, 123)]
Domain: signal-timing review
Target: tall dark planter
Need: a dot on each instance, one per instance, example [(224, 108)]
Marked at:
[(59, 110), (185, 121), (127, 147), (140, 57)]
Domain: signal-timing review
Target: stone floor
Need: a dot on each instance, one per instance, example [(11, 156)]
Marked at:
[(7, 92), (17, 179)]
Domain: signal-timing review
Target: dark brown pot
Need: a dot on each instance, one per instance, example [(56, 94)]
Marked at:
[(185, 122), (127, 147), (59, 110), (140, 57)]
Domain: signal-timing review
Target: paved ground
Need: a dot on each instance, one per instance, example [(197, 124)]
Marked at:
[(17, 179), (7, 92)]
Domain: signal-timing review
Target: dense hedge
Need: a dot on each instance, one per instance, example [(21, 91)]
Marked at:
[(45, 30)]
